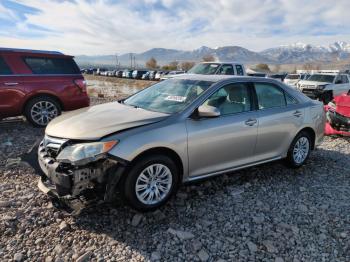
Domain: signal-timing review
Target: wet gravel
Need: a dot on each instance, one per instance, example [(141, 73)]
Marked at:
[(265, 213)]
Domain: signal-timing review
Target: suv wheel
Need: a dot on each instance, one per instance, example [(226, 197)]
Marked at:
[(150, 182), (299, 150), (41, 110)]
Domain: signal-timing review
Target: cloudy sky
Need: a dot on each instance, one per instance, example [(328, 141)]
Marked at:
[(120, 26)]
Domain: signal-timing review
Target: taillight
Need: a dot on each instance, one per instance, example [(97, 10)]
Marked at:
[(81, 84)]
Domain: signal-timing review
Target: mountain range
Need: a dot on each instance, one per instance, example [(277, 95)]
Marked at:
[(297, 53)]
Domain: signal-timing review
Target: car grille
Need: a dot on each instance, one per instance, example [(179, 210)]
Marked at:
[(53, 145), (308, 87)]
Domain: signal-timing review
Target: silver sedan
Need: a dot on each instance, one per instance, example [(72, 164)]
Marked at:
[(179, 130)]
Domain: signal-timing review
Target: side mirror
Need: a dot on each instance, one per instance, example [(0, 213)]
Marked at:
[(208, 111)]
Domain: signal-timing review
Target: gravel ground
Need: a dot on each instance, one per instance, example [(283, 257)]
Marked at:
[(265, 213)]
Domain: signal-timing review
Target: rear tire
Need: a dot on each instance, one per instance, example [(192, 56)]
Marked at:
[(39, 111), (150, 182), (299, 150)]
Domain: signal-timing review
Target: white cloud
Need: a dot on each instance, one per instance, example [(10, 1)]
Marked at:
[(104, 27), (7, 14)]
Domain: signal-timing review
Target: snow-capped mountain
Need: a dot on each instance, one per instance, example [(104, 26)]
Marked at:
[(340, 46), (301, 53), (286, 54)]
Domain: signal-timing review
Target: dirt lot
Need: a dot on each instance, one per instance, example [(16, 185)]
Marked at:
[(266, 213), (103, 86)]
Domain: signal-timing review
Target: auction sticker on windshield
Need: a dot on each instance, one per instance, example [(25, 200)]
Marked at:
[(176, 98)]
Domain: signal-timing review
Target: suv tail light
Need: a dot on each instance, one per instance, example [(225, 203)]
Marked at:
[(81, 84)]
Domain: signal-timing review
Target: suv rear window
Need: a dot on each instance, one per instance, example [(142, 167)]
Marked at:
[(56, 66), (4, 68)]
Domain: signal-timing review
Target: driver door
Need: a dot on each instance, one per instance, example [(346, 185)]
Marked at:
[(224, 142)]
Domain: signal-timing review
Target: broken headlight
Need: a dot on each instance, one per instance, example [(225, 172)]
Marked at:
[(321, 87), (85, 152)]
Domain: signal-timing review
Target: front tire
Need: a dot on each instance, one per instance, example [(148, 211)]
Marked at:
[(39, 111), (150, 183), (299, 150)]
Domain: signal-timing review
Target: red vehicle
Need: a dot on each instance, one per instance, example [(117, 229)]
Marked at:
[(39, 85), (338, 116)]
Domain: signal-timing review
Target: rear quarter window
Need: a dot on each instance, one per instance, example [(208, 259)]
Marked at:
[(51, 66), (4, 68)]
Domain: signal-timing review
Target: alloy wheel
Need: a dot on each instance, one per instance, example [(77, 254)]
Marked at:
[(153, 184), (43, 112), (301, 150)]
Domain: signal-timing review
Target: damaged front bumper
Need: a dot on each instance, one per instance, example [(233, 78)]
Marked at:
[(338, 121), (76, 187), (318, 94)]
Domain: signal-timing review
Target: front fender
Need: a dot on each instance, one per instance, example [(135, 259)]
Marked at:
[(134, 142)]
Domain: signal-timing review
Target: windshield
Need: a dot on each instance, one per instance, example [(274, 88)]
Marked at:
[(204, 69), (292, 76), (170, 96), (322, 78)]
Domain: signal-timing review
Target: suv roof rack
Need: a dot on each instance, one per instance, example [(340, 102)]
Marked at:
[(30, 51)]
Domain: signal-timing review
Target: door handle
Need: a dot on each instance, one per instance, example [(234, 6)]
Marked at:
[(297, 114), (251, 122), (11, 84)]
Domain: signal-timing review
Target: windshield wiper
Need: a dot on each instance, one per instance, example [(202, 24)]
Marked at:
[(131, 105)]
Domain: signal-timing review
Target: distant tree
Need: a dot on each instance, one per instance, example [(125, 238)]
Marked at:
[(152, 63), (165, 67), (187, 65), (171, 66), (208, 58), (318, 67), (312, 66), (262, 67)]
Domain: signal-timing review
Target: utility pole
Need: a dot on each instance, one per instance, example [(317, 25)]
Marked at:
[(130, 60), (117, 62)]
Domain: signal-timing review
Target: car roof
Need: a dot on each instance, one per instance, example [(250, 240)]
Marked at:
[(222, 62), (5, 50)]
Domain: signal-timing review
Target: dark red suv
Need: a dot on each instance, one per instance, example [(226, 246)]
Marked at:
[(39, 85)]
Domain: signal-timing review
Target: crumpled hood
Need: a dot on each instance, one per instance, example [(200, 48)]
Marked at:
[(94, 122)]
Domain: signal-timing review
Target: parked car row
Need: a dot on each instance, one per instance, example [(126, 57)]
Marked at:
[(204, 68), (135, 74)]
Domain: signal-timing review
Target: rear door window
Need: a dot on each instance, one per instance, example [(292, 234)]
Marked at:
[(269, 96), (4, 68), (226, 70), (51, 66), (344, 79), (239, 70)]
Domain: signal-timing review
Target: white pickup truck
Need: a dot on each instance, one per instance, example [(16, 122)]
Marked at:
[(215, 68), (325, 87)]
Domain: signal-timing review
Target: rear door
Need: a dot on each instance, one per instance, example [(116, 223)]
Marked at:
[(279, 117), (55, 76), (11, 93)]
